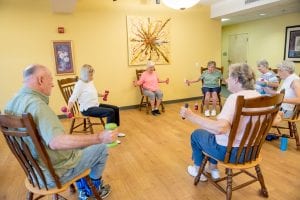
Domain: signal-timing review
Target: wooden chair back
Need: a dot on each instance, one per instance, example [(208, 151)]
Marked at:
[(18, 132), (259, 113), (22, 137), (138, 73), (66, 87)]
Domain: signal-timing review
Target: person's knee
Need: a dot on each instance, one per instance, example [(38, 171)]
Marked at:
[(151, 96), (100, 149), (160, 95), (196, 133)]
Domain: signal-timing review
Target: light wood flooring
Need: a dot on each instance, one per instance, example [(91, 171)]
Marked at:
[(151, 163)]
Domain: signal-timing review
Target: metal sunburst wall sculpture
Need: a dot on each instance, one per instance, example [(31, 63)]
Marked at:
[(148, 39)]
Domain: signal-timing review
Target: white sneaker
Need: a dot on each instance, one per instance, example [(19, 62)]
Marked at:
[(193, 171), (215, 173), (121, 134), (206, 113), (213, 113), (118, 141)]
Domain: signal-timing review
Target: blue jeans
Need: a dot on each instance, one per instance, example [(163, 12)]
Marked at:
[(104, 110), (93, 157), (202, 140)]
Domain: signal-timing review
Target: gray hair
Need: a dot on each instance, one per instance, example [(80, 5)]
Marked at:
[(212, 63), (287, 66), (84, 72), (30, 70), (244, 75), (263, 63)]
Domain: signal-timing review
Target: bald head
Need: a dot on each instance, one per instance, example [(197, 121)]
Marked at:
[(32, 70), (38, 77)]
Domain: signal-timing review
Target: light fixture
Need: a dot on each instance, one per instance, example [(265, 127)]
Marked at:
[(224, 19), (180, 4)]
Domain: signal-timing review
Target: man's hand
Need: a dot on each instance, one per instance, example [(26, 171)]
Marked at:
[(108, 136)]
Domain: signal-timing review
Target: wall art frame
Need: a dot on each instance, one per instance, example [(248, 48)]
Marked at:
[(292, 43), (63, 56)]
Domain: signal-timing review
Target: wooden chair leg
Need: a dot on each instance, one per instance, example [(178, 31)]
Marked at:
[(72, 126), (72, 188), (141, 103), (229, 184), (29, 195), (102, 122), (90, 125), (54, 197), (162, 107), (260, 177), (201, 169), (91, 185), (295, 134)]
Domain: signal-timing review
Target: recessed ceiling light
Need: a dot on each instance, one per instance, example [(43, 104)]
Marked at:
[(262, 14), (224, 19)]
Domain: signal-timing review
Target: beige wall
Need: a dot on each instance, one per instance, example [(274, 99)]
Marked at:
[(266, 38), (99, 37)]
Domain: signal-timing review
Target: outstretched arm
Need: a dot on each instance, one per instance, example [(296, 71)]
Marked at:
[(188, 82), (164, 81), (220, 126), (66, 141)]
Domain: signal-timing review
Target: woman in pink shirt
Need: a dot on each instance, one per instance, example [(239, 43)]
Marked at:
[(149, 82)]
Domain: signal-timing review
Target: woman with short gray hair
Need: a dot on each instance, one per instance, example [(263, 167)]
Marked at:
[(87, 95), (291, 85), (267, 79)]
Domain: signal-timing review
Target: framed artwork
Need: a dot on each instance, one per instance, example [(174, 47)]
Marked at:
[(292, 43), (148, 39), (63, 57)]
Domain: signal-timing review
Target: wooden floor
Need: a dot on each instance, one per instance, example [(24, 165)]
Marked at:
[(151, 163)]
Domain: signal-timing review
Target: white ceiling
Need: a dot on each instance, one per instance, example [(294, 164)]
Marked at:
[(235, 10)]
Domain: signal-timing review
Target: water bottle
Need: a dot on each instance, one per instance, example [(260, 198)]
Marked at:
[(283, 142)]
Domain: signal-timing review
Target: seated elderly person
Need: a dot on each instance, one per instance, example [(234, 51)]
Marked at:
[(149, 81), (214, 134), (267, 79), (69, 154), (291, 85)]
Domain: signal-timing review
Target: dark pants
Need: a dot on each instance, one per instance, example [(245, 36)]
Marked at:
[(104, 110)]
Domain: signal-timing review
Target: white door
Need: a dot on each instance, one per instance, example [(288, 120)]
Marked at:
[(237, 48)]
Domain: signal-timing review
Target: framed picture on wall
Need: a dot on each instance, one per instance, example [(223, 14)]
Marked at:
[(63, 57), (292, 43)]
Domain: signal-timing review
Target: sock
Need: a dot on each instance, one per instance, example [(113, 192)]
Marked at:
[(81, 187), (156, 109)]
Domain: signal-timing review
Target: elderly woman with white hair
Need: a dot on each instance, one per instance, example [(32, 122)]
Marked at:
[(291, 85), (87, 95), (149, 81), (267, 78)]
